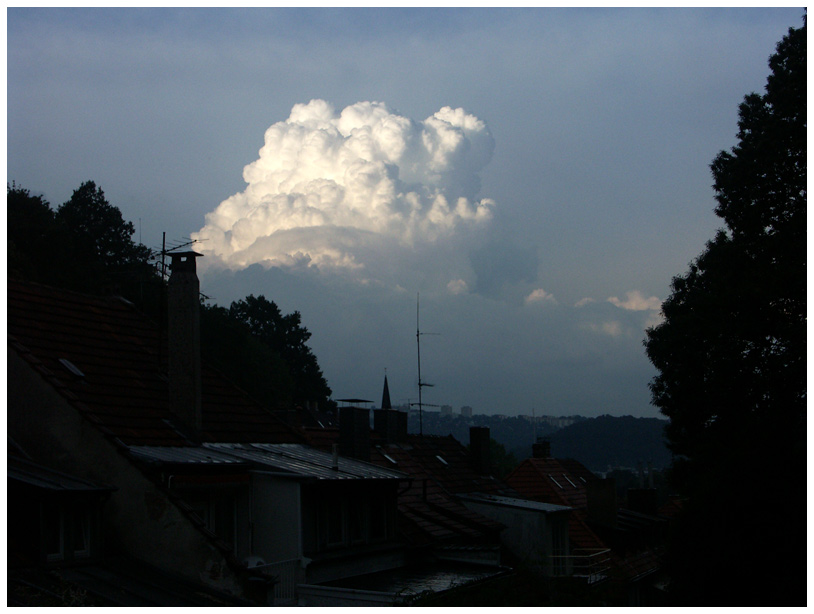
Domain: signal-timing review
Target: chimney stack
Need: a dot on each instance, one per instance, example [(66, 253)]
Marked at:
[(184, 335), (541, 448), (479, 449), (354, 432), (601, 501)]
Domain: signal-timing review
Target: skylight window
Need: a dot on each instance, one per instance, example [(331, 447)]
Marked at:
[(389, 458), (569, 480), (72, 368), (555, 481), (443, 462)]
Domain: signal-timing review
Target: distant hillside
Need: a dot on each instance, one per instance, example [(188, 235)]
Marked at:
[(616, 441), (514, 432), (595, 442)]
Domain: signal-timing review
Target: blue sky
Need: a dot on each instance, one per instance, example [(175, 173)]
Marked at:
[(578, 139)]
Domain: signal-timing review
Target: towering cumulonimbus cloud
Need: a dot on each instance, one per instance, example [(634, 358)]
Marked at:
[(328, 187)]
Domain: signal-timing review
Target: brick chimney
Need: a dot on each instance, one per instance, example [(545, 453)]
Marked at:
[(354, 432), (601, 501), (391, 424), (541, 448), (184, 335), (479, 449)]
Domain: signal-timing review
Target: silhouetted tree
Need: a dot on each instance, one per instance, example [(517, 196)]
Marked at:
[(228, 344), (731, 356), (286, 336), (98, 241), (85, 245), (30, 223)]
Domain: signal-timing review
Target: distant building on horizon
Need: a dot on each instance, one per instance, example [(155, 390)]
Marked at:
[(446, 410), (466, 411)]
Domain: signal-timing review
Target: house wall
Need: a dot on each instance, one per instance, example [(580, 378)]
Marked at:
[(276, 524), (529, 534), (140, 519)]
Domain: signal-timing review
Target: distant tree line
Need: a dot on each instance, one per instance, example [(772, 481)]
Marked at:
[(86, 245)]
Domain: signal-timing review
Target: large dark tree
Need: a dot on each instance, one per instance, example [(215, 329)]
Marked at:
[(30, 222), (84, 245), (731, 357), (286, 336), (229, 344)]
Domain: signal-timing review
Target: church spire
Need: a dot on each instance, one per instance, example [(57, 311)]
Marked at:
[(386, 395)]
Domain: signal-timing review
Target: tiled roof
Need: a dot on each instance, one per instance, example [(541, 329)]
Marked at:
[(552, 480), (109, 361)]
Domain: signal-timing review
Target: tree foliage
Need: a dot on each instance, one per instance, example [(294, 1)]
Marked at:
[(229, 345), (731, 356), (287, 338), (84, 245)]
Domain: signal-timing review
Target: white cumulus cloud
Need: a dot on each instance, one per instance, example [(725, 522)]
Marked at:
[(540, 296), (457, 286), (329, 189), (584, 301), (611, 328), (636, 301)]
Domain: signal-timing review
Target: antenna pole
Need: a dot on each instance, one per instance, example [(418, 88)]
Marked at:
[(533, 426), (418, 346)]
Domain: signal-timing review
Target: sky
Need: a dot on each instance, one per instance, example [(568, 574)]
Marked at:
[(532, 178)]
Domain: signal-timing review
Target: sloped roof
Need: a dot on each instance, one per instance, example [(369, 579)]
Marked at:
[(49, 480), (109, 361), (306, 461), (552, 480)]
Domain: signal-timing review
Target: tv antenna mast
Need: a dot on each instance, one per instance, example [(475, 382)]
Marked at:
[(421, 383)]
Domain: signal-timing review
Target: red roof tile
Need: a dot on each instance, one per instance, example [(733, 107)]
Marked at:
[(552, 480), (120, 353)]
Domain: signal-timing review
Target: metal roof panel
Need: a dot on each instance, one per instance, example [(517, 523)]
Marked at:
[(306, 461)]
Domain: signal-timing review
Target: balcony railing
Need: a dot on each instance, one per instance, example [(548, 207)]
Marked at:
[(592, 564)]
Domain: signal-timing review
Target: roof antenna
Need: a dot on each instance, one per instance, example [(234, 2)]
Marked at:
[(421, 383)]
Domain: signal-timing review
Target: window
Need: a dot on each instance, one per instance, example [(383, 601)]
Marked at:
[(559, 536), (81, 531), (54, 527), (342, 518), (358, 520), (334, 523), (379, 520), (66, 530)]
